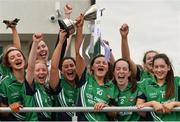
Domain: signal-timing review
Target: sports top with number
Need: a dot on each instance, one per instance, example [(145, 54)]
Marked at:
[(38, 96), (151, 91), (10, 91), (66, 96), (91, 93), (127, 98)]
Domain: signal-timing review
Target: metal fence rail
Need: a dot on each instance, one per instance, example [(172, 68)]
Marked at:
[(83, 109)]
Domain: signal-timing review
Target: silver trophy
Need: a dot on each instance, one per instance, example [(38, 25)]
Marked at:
[(69, 25)]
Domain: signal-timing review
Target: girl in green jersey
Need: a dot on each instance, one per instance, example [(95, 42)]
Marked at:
[(35, 94), (162, 92), (4, 71), (11, 86), (97, 90), (128, 91), (65, 86), (12, 72)]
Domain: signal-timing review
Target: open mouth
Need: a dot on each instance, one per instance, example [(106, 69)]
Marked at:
[(18, 63), (100, 69), (121, 77), (70, 74), (43, 53), (41, 77)]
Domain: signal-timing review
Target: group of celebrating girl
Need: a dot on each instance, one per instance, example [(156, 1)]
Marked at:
[(71, 83)]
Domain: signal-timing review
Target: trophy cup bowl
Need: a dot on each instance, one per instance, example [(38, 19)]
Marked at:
[(69, 25)]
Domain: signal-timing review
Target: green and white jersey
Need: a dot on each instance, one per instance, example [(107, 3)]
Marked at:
[(37, 97), (10, 92), (151, 91), (4, 71), (28, 101), (142, 74), (177, 82), (67, 96), (92, 93), (127, 98)]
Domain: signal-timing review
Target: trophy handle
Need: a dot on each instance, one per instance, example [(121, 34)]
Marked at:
[(90, 14)]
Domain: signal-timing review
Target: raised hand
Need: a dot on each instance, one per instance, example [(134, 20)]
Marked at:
[(67, 9), (62, 35), (37, 37), (124, 30), (80, 21)]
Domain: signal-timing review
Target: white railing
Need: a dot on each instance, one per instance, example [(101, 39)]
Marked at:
[(83, 109)]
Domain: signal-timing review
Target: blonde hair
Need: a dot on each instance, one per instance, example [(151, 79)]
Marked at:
[(41, 62)]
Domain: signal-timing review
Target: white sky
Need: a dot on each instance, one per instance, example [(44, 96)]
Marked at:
[(153, 24)]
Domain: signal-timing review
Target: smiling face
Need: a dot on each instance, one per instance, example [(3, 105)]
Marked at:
[(160, 69), (42, 51), (69, 69), (15, 59), (148, 60), (41, 72), (121, 72), (100, 67)]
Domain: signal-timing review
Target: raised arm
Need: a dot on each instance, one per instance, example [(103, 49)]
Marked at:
[(12, 24), (80, 62), (16, 39), (65, 47), (124, 30), (54, 71), (32, 58), (67, 11)]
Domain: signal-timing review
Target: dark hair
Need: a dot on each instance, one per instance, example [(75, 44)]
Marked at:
[(131, 79), (109, 74), (60, 66), (5, 56), (150, 51), (169, 77), (66, 58)]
